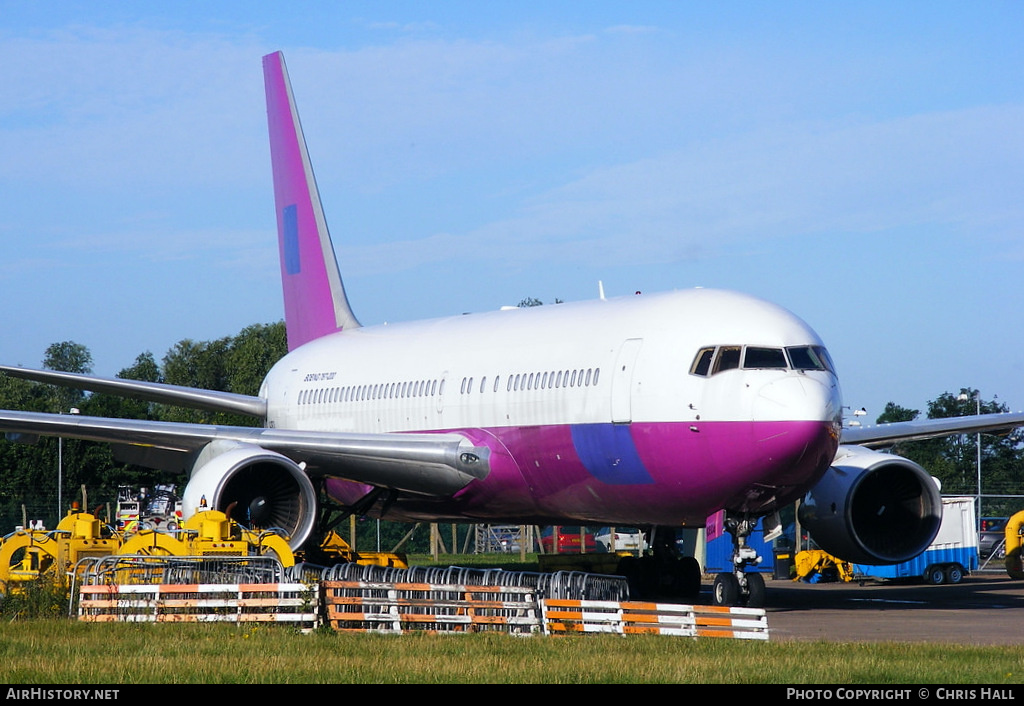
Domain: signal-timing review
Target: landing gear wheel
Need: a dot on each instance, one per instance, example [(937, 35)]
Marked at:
[(688, 578), (755, 590), (725, 591), (934, 575), (954, 573)]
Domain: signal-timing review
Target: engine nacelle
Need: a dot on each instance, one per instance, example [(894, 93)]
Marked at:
[(270, 491), (873, 508)]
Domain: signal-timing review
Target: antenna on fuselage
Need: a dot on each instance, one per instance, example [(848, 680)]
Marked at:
[(600, 290)]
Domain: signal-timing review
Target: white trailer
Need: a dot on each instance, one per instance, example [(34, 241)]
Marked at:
[(952, 554)]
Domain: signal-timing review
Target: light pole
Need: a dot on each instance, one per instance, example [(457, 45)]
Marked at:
[(977, 442), (60, 472)]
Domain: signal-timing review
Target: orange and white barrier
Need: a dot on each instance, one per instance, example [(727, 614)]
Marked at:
[(397, 608), (367, 606), (634, 617), (293, 603)]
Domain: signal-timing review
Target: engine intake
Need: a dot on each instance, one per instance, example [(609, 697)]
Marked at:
[(261, 489), (873, 508)]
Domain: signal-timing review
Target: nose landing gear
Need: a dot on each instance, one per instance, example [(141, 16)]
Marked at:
[(740, 587)]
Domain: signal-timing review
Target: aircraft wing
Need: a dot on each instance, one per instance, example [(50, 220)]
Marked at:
[(888, 434), (150, 391), (434, 464)]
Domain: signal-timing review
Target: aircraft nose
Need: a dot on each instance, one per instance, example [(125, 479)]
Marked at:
[(799, 397)]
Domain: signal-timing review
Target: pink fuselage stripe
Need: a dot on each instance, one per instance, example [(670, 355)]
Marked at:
[(537, 478)]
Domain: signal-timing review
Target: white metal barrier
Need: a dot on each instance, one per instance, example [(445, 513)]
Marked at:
[(294, 603), (400, 607), (635, 617)]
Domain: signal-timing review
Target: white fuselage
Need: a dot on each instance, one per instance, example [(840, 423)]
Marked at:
[(530, 366), (592, 410)]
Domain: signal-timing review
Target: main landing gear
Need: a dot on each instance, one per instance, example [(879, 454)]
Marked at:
[(740, 587), (663, 573)]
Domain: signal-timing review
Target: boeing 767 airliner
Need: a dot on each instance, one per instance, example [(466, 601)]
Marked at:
[(657, 411)]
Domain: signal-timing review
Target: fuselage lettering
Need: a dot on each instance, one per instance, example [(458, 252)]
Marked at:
[(319, 377)]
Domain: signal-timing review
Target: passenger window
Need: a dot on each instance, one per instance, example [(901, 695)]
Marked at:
[(755, 357)]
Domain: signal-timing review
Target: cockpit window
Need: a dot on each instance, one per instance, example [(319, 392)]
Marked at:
[(702, 363), (810, 358), (755, 357), (728, 358), (711, 360)]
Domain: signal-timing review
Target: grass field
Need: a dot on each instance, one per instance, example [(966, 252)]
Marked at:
[(67, 652), (57, 650)]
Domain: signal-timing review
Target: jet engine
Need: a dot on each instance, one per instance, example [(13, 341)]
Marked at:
[(873, 508), (268, 490)]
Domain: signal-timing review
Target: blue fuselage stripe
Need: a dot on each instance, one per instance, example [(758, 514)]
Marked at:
[(608, 453)]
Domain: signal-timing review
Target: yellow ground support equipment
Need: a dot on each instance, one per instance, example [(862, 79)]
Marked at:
[(334, 549), (27, 554), (1014, 560), (24, 555), (154, 543), (209, 533), (811, 562)]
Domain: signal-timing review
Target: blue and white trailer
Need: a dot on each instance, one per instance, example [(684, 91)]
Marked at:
[(952, 554)]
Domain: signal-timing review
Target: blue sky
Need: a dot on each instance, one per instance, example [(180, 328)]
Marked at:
[(861, 164)]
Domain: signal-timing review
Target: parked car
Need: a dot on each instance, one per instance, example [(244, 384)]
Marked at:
[(992, 535), (566, 540), (626, 539)]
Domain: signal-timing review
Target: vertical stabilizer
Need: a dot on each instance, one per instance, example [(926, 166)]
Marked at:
[(314, 296)]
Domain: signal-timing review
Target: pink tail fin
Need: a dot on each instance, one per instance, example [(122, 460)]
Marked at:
[(314, 296)]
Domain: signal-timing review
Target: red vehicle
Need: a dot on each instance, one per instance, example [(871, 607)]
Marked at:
[(565, 539)]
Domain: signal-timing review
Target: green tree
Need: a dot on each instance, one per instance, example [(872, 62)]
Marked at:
[(28, 485), (103, 474), (69, 357), (236, 364), (251, 355), (895, 413), (196, 364), (954, 459)]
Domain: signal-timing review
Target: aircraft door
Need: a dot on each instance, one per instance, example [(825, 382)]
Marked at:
[(622, 381)]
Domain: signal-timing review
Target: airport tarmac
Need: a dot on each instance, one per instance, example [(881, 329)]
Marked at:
[(981, 610)]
